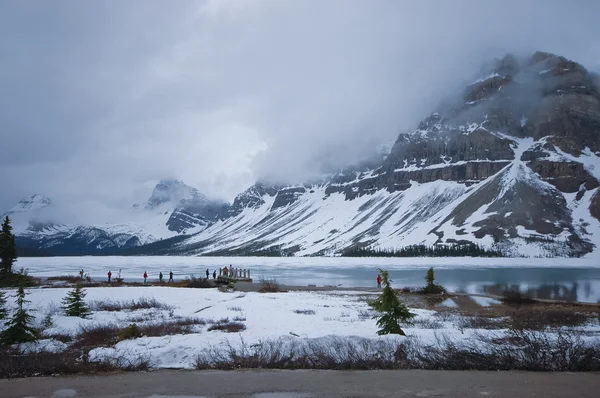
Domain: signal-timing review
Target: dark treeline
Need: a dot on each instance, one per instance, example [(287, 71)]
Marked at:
[(455, 250)]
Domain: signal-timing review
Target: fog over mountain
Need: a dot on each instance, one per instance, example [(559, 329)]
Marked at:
[(104, 99)]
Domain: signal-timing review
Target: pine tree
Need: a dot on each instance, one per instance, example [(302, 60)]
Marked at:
[(3, 310), (19, 329), (8, 248), (74, 305), (392, 311), (430, 277)]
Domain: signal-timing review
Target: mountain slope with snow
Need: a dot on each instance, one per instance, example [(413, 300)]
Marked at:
[(512, 164), (172, 210)]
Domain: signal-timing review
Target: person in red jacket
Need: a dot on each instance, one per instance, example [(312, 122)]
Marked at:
[(109, 276), (378, 280), (145, 276)]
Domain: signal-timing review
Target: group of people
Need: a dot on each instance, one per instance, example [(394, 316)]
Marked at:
[(225, 272), (160, 276)]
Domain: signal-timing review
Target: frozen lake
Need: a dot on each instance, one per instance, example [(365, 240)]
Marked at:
[(566, 279)]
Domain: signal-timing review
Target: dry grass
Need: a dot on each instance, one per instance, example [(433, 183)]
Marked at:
[(270, 286), (305, 312), (228, 327), (131, 305), (97, 335), (65, 278), (536, 352), (541, 318), (71, 361), (199, 283)]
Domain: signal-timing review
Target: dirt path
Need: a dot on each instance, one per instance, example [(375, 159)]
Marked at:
[(297, 384)]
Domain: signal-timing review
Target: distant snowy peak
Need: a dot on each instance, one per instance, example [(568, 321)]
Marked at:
[(174, 192), (30, 203), (185, 208)]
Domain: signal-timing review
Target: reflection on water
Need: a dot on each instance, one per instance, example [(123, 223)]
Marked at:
[(539, 278), (553, 292), (572, 284)]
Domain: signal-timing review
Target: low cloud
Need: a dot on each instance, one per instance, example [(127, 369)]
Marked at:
[(102, 99)]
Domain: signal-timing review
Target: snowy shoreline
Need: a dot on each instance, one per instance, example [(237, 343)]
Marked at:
[(294, 320)]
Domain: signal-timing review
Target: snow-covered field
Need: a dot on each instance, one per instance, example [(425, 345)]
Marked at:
[(293, 316)]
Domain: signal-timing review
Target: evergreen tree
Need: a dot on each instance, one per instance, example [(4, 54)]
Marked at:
[(8, 248), (19, 329), (430, 277), (74, 305), (392, 311), (3, 310)]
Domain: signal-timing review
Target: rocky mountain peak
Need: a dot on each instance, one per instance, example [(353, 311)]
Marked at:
[(175, 192), (31, 203)]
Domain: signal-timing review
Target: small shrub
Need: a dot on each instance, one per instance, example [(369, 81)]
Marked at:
[(130, 332), (18, 279), (62, 337), (200, 283), (305, 312), (434, 289), (427, 323), (169, 328), (139, 304), (71, 361), (47, 322), (269, 286), (65, 278), (238, 309), (239, 319), (431, 287), (364, 315), (445, 316), (479, 322), (230, 327), (98, 335)]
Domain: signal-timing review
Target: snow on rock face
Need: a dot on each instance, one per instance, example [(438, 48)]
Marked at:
[(511, 163), (173, 208), (500, 170), (30, 203), (174, 192)]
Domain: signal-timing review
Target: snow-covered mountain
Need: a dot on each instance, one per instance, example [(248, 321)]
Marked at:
[(172, 210), (511, 163)]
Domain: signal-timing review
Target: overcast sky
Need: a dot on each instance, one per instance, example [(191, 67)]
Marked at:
[(100, 99)]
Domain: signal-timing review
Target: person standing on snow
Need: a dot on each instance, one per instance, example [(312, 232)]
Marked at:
[(378, 280), (109, 276), (145, 276), (207, 273), (215, 274), (160, 277), (171, 276)]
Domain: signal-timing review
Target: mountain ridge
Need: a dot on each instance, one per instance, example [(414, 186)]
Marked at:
[(511, 163)]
